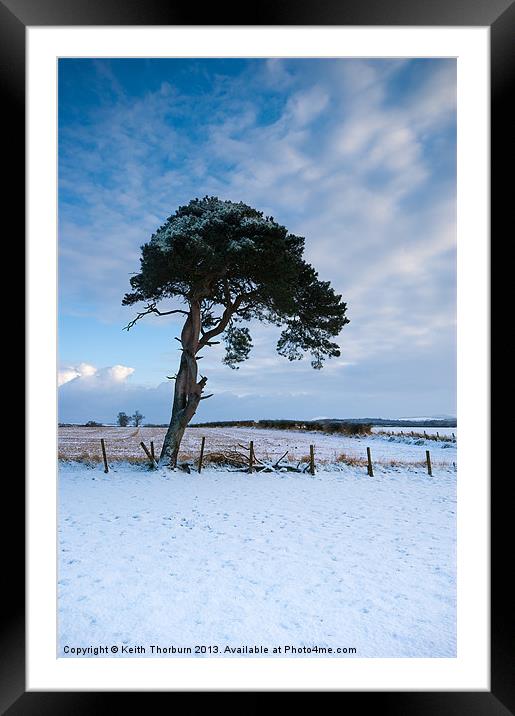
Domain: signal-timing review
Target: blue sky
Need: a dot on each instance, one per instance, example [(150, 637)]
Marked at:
[(358, 156)]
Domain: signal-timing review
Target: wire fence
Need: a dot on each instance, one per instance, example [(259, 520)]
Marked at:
[(203, 447)]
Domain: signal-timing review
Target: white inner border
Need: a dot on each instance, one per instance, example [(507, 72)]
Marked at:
[(470, 670)]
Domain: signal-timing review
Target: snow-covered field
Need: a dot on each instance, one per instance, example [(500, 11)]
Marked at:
[(449, 432), (227, 559), (124, 443)]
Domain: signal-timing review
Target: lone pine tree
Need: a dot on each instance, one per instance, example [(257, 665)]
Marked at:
[(228, 264)]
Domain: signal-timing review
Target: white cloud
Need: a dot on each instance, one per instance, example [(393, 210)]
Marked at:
[(65, 375), (82, 370), (119, 373), (90, 376)]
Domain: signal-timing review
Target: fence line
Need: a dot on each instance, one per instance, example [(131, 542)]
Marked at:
[(251, 456), (370, 469), (428, 461), (104, 455), (153, 462), (254, 464), (201, 454)]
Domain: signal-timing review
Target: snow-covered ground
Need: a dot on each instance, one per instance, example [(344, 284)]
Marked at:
[(124, 443), (226, 559), (449, 432)]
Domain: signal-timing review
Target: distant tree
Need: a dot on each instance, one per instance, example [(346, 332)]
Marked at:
[(92, 424), (122, 420), (228, 263), (137, 417)]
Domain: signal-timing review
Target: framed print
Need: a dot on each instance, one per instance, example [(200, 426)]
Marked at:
[(240, 192)]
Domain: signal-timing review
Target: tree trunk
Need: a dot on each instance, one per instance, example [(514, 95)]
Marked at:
[(187, 393)]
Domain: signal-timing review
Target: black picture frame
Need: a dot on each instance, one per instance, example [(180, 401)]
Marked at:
[(499, 15)]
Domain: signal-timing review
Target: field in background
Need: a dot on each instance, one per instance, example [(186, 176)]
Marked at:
[(83, 444), (442, 432)]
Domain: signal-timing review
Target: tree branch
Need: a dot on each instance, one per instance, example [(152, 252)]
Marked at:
[(208, 335), (230, 310), (151, 308)]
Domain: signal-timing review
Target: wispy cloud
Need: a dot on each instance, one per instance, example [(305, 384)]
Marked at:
[(357, 156)]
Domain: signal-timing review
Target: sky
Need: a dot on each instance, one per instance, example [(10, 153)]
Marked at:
[(356, 155)]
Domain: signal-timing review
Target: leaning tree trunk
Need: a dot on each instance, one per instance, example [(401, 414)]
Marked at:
[(188, 391)]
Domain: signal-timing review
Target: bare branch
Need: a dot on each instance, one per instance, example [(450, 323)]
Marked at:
[(151, 308), (205, 397), (276, 464), (168, 313)]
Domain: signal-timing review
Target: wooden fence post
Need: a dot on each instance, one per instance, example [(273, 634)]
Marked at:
[(312, 459), (428, 461), (201, 453), (153, 463), (370, 469), (251, 456), (106, 467)]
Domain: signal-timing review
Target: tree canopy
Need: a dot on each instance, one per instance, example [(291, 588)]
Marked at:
[(235, 265)]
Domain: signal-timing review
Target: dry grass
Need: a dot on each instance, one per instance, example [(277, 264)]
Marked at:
[(306, 458), (135, 460), (184, 457), (401, 463), (88, 458), (83, 457), (352, 460), (417, 435), (227, 457), (237, 460)]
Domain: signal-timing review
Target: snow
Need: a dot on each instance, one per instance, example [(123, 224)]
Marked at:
[(449, 432), (124, 443), (240, 244), (228, 559)]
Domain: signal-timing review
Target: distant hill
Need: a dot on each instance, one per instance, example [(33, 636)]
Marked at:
[(322, 422), (446, 422)]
